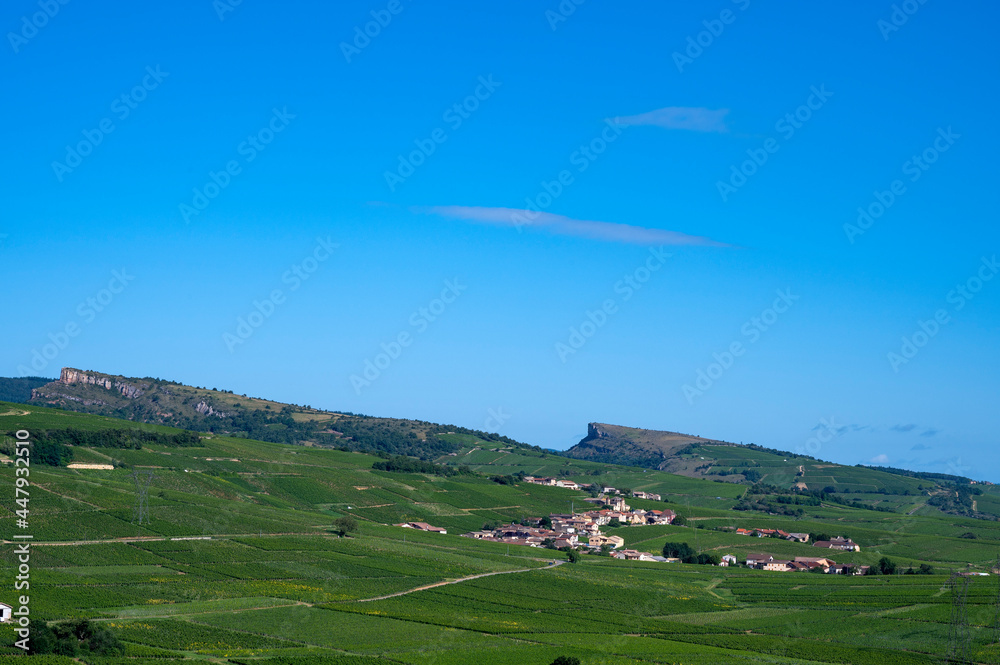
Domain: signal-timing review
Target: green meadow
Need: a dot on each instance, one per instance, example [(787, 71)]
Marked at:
[(270, 582)]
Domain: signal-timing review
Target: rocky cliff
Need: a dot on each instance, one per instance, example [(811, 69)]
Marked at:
[(156, 401), (69, 376), (614, 444), (146, 400)]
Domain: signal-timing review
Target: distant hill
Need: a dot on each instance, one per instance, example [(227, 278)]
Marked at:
[(697, 457), (157, 401), (614, 444), (19, 389)]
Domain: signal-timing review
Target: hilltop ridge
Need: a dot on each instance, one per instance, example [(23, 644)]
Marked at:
[(615, 444), (158, 401)]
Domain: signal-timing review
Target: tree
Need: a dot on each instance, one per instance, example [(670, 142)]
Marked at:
[(614, 523), (344, 525), (680, 520), (566, 660), (104, 643), (573, 556), (885, 566), (703, 559), (41, 640), (545, 523), (677, 550), (925, 569)]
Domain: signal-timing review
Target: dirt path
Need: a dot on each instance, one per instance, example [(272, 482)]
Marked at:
[(15, 412), (461, 579), (68, 498), (146, 539)]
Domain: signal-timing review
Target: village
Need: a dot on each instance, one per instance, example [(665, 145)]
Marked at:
[(581, 531)]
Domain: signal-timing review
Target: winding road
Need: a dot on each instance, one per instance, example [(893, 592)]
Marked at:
[(554, 564)]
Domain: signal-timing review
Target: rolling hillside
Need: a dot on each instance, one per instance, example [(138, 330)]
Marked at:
[(156, 401), (696, 457), (627, 455), (268, 582)]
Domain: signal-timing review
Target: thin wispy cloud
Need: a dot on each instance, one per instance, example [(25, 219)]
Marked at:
[(561, 225), (680, 117), (842, 429), (880, 459), (921, 446), (903, 428), (930, 431)]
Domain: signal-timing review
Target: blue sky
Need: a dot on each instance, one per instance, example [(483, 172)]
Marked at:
[(691, 257)]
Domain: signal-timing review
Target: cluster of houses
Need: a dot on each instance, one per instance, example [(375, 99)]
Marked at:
[(578, 530), (571, 485), (838, 543), (802, 564), (583, 531), (774, 533)]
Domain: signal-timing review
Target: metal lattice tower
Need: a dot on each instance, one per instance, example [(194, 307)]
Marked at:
[(960, 636), (996, 619), (140, 512)]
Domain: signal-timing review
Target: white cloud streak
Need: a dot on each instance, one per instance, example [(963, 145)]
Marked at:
[(680, 117), (561, 225)]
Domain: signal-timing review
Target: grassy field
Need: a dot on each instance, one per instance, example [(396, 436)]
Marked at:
[(270, 583)]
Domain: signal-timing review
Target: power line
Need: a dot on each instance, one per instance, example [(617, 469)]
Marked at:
[(140, 511), (960, 636), (996, 619)]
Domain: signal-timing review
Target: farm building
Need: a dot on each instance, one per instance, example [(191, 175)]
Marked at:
[(421, 526), (845, 544)]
